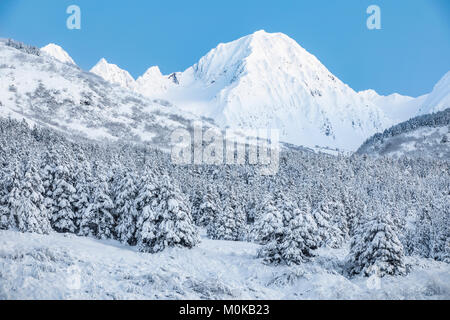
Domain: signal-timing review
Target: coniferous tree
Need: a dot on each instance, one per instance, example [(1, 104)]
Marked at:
[(168, 221), (146, 203), (11, 196), (209, 208), (4, 211), (441, 241), (375, 248), (339, 221), (63, 194), (48, 169), (101, 211), (322, 219), (125, 206), (296, 234), (24, 203), (223, 225), (269, 226), (83, 193), (300, 238)]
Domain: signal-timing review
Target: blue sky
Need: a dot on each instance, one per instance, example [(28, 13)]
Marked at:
[(409, 55)]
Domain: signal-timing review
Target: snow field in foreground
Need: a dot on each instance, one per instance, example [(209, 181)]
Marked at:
[(63, 266)]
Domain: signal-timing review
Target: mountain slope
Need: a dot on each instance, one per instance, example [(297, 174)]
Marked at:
[(396, 107), (112, 73), (48, 92), (268, 81), (439, 98), (426, 136), (55, 51)]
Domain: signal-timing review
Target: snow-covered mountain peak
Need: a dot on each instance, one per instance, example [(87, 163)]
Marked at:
[(369, 94), (151, 73), (267, 80), (153, 83), (251, 53), (55, 51), (112, 73)]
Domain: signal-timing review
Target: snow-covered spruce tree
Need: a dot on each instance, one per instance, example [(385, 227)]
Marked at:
[(209, 207), (421, 236), (339, 227), (87, 226), (322, 218), (295, 237), (146, 202), (24, 201), (375, 248), (4, 212), (48, 169), (63, 194), (300, 238), (301, 234), (223, 225), (230, 222), (101, 211), (83, 194), (354, 206), (197, 198), (269, 226), (410, 236), (240, 230), (270, 231), (165, 220), (11, 187), (441, 241), (284, 204), (125, 206), (37, 217)]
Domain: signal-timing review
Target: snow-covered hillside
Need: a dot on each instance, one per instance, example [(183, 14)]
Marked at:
[(46, 91), (426, 136), (55, 51), (61, 266)]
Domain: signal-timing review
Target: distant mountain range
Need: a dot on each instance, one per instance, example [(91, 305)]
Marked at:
[(268, 80), (264, 80)]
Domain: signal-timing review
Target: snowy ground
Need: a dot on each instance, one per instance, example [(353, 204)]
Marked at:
[(70, 267)]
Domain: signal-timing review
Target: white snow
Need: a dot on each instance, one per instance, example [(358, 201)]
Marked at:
[(55, 51), (396, 107), (61, 266), (112, 73), (439, 98)]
